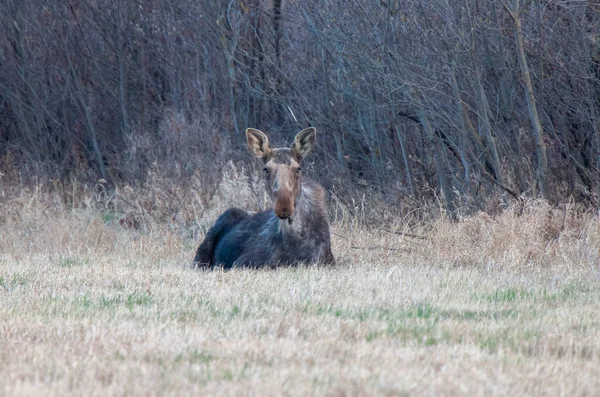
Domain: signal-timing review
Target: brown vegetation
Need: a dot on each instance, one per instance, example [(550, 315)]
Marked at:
[(98, 298)]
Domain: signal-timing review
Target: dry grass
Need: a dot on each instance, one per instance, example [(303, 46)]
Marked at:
[(93, 303)]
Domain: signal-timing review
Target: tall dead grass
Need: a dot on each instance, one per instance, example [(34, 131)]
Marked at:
[(536, 235), (165, 218)]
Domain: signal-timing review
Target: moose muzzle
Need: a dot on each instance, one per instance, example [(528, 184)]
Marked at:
[(284, 204)]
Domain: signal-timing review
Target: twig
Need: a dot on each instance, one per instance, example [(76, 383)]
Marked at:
[(374, 247), (406, 234)]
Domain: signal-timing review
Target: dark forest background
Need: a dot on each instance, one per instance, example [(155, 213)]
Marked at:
[(466, 102)]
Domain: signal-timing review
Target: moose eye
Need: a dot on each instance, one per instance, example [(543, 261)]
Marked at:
[(298, 170), (266, 170)]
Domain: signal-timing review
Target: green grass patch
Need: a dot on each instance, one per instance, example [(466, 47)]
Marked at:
[(199, 356), (567, 292), (489, 344), (184, 316), (423, 311), (508, 295), (564, 293), (109, 302), (235, 311), (109, 217), (85, 303), (70, 261), (516, 340), (477, 315), (137, 299), (426, 335), (13, 280)]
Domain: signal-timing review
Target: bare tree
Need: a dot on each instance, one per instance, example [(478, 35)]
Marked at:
[(459, 99), (516, 13)]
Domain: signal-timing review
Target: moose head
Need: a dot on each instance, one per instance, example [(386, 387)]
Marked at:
[(282, 167)]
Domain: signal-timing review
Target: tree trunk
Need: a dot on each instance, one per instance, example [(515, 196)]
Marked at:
[(538, 132), (438, 157), (409, 175)]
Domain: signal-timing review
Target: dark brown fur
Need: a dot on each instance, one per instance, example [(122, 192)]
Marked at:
[(295, 231)]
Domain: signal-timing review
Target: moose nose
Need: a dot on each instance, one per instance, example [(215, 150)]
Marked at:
[(283, 215)]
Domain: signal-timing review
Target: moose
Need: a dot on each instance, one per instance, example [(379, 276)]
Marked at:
[(294, 231)]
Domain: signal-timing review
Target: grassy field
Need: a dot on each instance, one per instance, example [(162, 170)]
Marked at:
[(486, 306)]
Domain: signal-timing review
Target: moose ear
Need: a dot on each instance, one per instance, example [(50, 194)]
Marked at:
[(304, 142), (258, 143)]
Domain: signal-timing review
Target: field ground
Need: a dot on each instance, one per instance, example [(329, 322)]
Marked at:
[(502, 306)]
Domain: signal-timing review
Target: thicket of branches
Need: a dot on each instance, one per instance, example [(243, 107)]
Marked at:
[(466, 100)]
